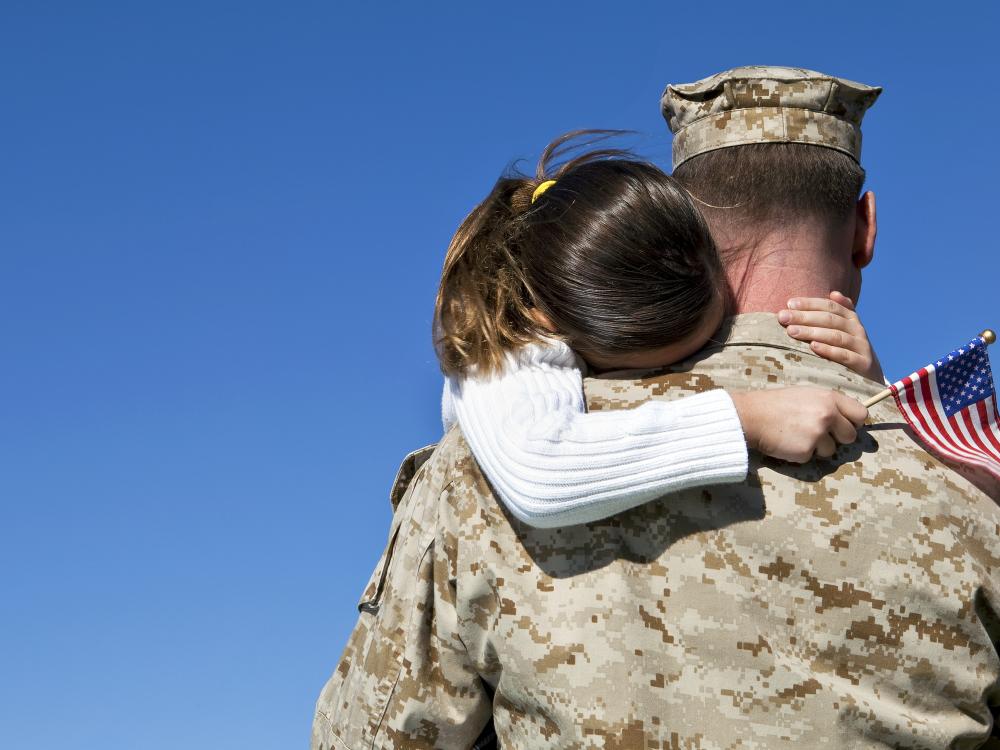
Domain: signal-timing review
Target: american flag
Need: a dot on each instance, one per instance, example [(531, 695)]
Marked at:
[(952, 407)]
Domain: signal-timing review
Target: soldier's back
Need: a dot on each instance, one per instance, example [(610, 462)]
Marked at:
[(847, 603)]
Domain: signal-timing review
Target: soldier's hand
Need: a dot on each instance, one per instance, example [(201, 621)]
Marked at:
[(796, 424), (833, 330)]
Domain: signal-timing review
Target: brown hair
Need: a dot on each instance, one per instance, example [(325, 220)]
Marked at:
[(761, 184), (615, 254)]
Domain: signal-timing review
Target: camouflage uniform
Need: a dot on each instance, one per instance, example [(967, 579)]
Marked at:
[(848, 603)]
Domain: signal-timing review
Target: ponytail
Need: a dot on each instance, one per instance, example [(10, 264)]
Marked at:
[(483, 307)]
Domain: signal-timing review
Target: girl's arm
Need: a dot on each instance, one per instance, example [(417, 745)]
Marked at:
[(554, 464)]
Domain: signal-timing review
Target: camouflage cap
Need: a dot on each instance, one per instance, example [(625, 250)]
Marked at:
[(760, 104)]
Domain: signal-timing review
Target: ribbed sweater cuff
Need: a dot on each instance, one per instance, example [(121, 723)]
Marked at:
[(693, 441)]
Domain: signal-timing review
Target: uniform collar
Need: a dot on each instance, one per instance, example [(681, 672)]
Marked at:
[(748, 329), (756, 329)]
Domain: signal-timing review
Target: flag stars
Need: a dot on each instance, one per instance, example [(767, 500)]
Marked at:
[(963, 378)]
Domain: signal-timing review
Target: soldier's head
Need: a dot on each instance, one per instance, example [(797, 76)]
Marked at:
[(770, 152), (602, 250)]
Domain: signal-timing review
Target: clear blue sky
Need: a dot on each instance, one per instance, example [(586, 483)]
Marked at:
[(221, 225)]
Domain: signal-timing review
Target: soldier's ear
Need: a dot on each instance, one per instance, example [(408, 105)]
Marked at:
[(865, 229)]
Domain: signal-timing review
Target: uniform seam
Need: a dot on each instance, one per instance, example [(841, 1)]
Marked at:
[(744, 109), (333, 730), (409, 620), (394, 529), (750, 79), (762, 345), (834, 87)]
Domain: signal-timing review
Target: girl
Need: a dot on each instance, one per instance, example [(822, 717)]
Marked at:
[(607, 264)]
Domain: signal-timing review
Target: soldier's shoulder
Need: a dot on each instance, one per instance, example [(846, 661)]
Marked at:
[(449, 462), (887, 459), (444, 477), (922, 474)]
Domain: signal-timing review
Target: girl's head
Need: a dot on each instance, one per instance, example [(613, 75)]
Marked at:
[(614, 258)]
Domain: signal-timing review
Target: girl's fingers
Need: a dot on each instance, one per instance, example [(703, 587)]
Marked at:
[(819, 320), (843, 431), (851, 409), (843, 300), (831, 336), (822, 304), (833, 331), (846, 357), (826, 446)]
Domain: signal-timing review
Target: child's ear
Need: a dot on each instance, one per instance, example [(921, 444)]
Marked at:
[(542, 319)]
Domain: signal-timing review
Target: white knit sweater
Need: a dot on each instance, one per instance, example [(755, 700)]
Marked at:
[(553, 464)]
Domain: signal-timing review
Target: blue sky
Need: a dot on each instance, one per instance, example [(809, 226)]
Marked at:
[(222, 225)]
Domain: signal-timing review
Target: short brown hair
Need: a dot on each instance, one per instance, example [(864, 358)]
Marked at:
[(760, 183), (615, 254)]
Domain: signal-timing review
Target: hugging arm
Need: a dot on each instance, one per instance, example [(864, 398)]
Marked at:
[(554, 464)]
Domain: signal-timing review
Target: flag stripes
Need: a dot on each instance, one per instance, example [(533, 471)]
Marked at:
[(968, 435)]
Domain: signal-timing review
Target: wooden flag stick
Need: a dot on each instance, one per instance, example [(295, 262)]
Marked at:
[(988, 336), (876, 398)]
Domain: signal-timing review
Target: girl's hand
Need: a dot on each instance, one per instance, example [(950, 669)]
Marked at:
[(833, 331), (796, 424)]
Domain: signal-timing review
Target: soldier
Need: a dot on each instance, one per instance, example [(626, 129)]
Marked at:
[(848, 602)]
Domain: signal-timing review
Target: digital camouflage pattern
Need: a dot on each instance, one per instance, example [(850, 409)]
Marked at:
[(766, 105), (847, 603)]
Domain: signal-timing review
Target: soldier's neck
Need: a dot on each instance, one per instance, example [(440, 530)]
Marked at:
[(803, 261)]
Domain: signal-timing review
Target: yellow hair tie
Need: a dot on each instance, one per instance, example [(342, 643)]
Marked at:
[(541, 189)]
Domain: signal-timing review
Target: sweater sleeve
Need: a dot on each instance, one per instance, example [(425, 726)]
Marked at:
[(553, 464)]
